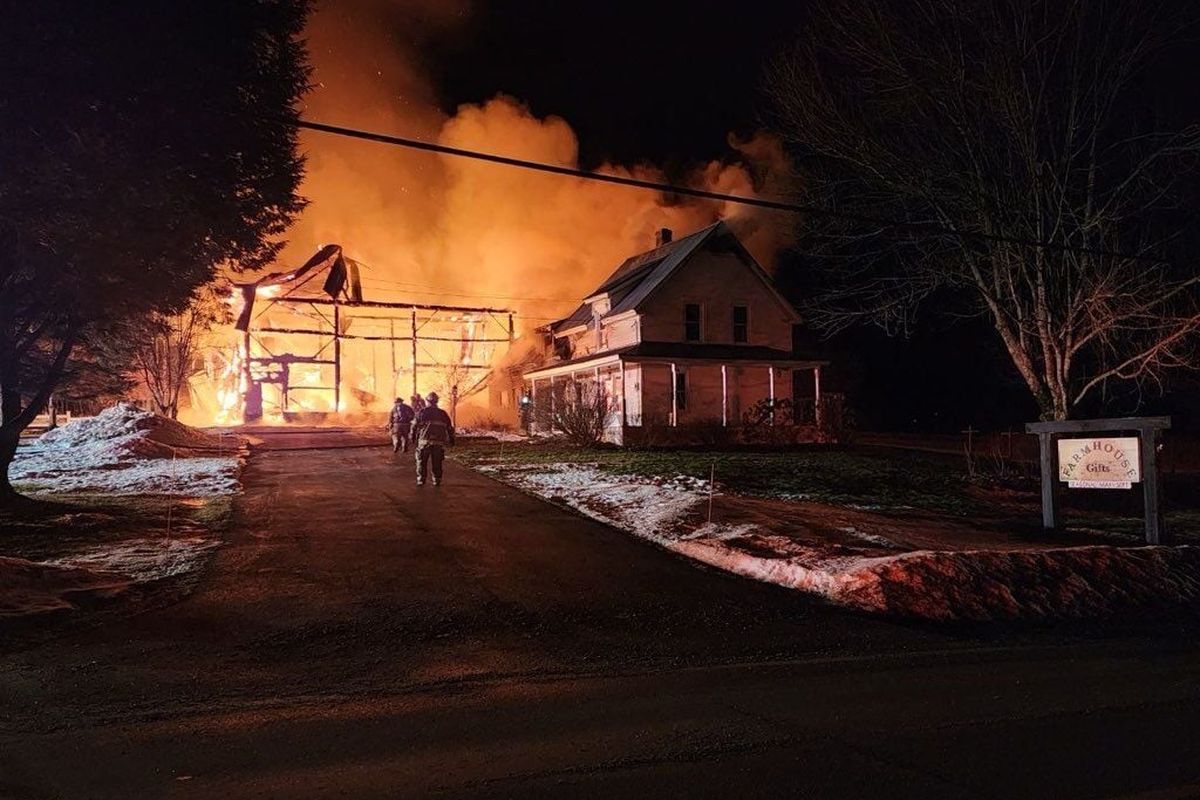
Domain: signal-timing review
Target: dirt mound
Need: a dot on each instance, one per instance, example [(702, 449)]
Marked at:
[(1067, 583), (31, 588), (1071, 583)]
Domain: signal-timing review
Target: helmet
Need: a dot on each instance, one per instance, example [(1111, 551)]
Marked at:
[(399, 399), (432, 398)]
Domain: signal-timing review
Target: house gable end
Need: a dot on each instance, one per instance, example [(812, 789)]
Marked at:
[(719, 240), (718, 277)]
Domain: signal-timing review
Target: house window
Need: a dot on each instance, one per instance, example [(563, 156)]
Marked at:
[(562, 348), (741, 324), (691, 322), (680, 390)]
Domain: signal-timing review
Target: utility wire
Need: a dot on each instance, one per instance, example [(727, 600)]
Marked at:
[(668, 188)]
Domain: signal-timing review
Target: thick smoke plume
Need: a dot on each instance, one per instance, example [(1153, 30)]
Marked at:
[(437, 229)]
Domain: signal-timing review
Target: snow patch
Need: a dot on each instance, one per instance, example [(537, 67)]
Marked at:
[(653, 508), (720, 533), (142, 560), (499, 436), (872, 538), (124, 450)]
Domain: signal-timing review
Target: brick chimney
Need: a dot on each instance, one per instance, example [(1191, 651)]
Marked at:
[(662, 237)]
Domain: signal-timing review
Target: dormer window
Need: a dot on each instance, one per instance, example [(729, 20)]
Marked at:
[(741, 324), (691, 322)]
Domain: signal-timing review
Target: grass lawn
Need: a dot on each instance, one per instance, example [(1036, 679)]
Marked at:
[(865, 478), (836, 476), (61, 525)]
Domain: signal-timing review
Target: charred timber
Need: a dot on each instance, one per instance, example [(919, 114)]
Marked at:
[(323, 301), (311, 332), (455, 366), (287, 358)]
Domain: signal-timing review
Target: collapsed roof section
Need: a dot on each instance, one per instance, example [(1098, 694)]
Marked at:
[(342, 282)]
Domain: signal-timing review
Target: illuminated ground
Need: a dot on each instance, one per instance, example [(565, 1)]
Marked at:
[(361, 637)]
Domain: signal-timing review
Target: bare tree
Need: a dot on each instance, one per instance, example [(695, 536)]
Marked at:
[(983, 126), (167, 347), (460, 382)]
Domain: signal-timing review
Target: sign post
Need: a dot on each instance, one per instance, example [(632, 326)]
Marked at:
[(1102, 462)]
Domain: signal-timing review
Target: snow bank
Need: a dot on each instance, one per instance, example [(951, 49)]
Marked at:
[(124, 450), (128, 426), (974, 585), (27, 587)]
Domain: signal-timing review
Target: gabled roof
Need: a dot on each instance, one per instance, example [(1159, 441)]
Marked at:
[(645, 277), (639, 276), (631, 275)]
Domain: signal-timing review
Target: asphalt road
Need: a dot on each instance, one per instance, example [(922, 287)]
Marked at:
[(361, 637)]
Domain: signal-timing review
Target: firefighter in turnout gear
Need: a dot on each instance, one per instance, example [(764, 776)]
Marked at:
[(433, 432), (400, 422)]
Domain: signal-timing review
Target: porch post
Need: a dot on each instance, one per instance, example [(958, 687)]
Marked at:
[(597, 398), (624, 416), (531, 419), (674, 396), (771, 373), (817, 397), (724, 398)]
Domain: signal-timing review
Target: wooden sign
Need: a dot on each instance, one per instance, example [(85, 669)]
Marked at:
[(1102, 460), (1099, 463)]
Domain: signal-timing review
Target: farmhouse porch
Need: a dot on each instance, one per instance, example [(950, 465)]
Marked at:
[(681, 386)]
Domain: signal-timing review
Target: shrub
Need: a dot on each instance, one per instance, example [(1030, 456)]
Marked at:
[(580, 412)]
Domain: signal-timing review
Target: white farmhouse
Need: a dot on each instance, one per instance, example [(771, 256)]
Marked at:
[(692, 333)]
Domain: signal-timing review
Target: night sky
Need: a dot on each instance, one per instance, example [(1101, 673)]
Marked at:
[(663, 82)]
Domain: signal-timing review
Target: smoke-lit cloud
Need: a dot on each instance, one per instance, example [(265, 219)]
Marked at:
[(432, 228)]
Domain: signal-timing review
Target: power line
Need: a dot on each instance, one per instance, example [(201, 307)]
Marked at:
[(669, 188)]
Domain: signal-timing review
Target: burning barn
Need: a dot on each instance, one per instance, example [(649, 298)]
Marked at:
[(308, 347)]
